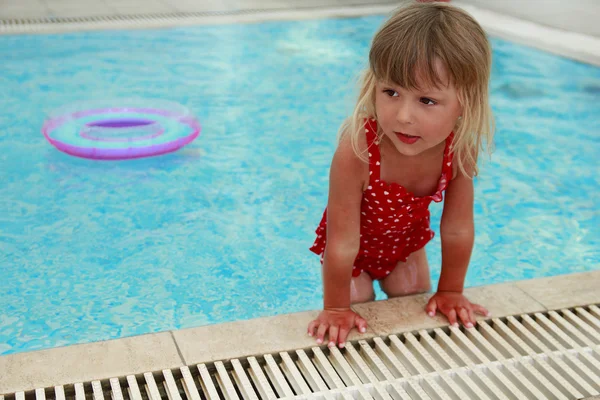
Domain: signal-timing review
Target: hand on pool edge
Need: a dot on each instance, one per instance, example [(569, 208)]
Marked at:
[(455, 306), (338, 323)]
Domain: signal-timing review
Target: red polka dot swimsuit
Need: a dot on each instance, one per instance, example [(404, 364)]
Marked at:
[(394, 223)]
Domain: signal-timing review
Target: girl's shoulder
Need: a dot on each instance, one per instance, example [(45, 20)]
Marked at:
[(356, 138), (469, 170), (351, 157)]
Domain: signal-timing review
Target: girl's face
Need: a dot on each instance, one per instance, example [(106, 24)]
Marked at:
[(417, 120)]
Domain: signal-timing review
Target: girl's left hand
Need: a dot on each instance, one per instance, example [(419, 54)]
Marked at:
[(455, 306)]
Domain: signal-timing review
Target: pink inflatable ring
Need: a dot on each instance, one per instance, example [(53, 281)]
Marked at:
[(120, 130)]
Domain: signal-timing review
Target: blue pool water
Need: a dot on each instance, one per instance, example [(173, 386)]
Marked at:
[(220, 230)]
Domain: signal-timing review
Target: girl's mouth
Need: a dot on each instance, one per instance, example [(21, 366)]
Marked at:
[(408, 139)]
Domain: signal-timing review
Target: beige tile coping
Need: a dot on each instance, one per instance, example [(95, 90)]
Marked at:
[(84, 362), (574, 289), (166, 350)]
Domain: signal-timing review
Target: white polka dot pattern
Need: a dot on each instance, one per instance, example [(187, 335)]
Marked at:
[(389, 233)]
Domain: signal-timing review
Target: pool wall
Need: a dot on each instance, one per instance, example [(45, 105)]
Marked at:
[(574, 15)]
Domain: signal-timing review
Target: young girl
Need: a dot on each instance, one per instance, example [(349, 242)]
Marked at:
[(417, 129)]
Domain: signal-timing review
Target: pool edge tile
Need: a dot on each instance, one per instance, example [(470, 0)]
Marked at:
[(405, 314), (250, 338), (90, 361), (562, 291)]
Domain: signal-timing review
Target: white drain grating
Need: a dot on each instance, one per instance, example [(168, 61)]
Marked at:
[(53, 24), (152, 20), (553, 355)]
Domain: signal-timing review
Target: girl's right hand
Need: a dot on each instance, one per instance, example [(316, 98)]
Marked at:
[(339, 322)]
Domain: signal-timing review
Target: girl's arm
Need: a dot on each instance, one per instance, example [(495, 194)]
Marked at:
[(457, 231), (346, 183)]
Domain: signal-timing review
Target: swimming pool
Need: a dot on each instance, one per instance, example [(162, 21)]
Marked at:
[(220, 230)]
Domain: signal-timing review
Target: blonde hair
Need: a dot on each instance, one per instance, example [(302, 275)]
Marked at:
[(407, 46)]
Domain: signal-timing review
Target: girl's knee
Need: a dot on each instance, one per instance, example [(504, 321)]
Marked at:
[(362, 298), (409, 277), (361, 289), (407, 290)]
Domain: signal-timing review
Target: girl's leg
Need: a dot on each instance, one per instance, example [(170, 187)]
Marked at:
[(361, 289), (408, 277)]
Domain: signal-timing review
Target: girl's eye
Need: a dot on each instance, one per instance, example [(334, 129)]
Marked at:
[(391, 93), (427, 101)]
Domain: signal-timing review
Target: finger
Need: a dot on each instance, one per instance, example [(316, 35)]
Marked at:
[(333, 336), (312, 326), (342, 336), (481, 310), (463, 314), (361, 324), (431, 307), (452, 317), (321, 332), (472, 318)]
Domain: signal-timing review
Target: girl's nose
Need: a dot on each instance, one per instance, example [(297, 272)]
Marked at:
[(404, 113)]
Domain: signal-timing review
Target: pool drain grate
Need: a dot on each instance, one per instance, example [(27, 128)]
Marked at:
[(51, 23)]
